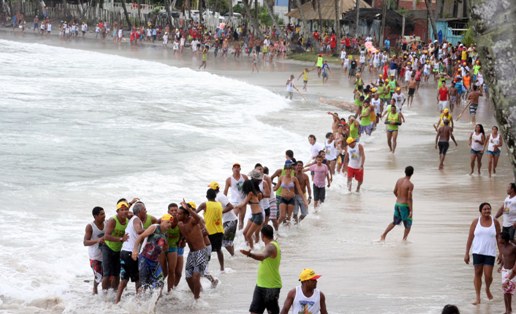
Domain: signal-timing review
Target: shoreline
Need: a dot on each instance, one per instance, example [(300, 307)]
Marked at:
[(239, 69)]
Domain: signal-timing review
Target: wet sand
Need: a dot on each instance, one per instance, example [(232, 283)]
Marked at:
[(359, 274)]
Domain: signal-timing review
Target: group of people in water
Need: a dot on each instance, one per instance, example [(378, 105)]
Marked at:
[(134, 245)]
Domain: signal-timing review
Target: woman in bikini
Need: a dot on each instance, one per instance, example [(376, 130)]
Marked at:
[(252, 198), (289, 185)]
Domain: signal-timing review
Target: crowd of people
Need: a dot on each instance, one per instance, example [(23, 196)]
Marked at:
[(135, 246)]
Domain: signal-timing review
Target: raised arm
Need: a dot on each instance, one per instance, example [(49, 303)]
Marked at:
[(139, 240)]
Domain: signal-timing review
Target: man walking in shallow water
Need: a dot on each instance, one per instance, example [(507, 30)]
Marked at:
[(403, 207)]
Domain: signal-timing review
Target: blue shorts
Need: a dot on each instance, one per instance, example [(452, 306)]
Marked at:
[(497, 153), (180, 251), (479, 259), (401, 213), (257, 218), (476, 152), (172, 249)]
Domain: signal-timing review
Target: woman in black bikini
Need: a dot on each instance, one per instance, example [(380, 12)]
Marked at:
[(252, 198)]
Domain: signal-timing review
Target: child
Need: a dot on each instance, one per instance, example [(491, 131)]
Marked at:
[(508, 251), (304, 74)]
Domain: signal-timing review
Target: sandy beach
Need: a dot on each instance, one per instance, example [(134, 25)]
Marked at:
[(360, 274)]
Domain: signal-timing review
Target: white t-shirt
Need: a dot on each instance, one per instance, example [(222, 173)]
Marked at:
[(509, 211), (230, 215), (315, 149)]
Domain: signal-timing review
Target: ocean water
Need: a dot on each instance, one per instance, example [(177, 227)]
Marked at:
[(80, 129)]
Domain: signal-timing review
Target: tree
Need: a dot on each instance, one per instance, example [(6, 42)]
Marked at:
[(306, 30), (337, 22), (124, 8), (431, 16), (271, 14)]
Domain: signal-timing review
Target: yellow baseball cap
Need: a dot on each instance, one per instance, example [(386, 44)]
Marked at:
[(446, 110), (308, 274), (167, 217), (120, 204), (192, 204), (350, 140), (213, 185)]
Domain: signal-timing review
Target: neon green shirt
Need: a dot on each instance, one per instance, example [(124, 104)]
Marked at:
[(268, 270), (118, 232)]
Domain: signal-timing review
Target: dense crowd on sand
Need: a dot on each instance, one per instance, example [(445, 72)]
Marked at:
[(134, 246)]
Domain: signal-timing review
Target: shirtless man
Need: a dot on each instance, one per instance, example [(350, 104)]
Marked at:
[(442, 140), (473, 106), (189, 225), (234, 183), (403, 207), (336, 121), (304, 184), (412, 85)]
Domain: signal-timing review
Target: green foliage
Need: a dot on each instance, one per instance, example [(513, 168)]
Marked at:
[(221, 6), (469, 37), (238, 8)]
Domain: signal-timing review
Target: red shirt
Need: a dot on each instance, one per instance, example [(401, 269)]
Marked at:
[(443, 93)]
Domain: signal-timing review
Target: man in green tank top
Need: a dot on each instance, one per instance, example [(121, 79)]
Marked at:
[(114, 237), (268, 283)]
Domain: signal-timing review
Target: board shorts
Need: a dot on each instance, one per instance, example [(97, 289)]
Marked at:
[(411, 91), (265, 298), (358, 174), (273, 205), (257, 218), (401, 214), (453, 99), (229, 232), (216, 241), (479, 259), (509, 289), (151, 274), (196, 262), (110, 262), (319, 193), (473, 109), (300, 204), (443, 147), (128, 267), (96, 266)]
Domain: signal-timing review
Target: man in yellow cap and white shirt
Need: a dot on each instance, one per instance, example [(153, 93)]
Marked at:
[(306, 298)]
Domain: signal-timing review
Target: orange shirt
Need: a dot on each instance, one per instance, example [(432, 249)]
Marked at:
[(467, 81)]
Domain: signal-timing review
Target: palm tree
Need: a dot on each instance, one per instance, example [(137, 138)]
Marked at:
[(318, 3), (126, 15), (252, 18), (306, 29), (431, 16), (269, 8), (337, 22)]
